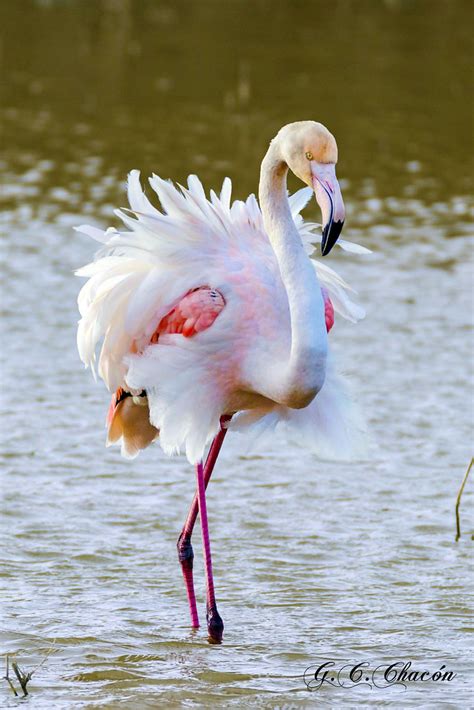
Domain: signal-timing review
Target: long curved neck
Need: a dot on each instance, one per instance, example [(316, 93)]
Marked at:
[(305, 370)]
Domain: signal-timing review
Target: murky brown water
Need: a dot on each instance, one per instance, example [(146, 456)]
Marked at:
[(312, 560)]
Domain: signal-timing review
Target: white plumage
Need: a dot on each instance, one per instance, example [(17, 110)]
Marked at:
[(212, 312), (140, 274)]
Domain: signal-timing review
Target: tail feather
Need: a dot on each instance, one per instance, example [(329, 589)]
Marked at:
[(129, 421)]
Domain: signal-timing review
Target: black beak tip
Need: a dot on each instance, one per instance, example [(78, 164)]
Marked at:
[(331, 234)]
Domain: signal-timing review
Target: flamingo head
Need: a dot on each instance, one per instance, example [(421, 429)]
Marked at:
[(310, 151)]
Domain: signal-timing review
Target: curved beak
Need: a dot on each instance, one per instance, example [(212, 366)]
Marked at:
[(328, 196)]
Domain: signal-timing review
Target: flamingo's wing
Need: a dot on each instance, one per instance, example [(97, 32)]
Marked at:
[(135, 278), (140, 275), (128, 419)]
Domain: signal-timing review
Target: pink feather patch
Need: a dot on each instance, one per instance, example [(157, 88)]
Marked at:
[(195, 312), (328, 310)]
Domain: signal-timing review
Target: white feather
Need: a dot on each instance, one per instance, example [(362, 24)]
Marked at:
[(139, 274), (331, 426), (98, 234)]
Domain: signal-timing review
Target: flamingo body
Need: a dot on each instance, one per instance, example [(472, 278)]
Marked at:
[(213, 316), (195, 312), (135, 289)]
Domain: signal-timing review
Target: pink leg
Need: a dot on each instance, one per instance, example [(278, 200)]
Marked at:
[(215, 626), (185, 549)]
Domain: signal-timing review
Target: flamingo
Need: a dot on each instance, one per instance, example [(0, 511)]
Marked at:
[(213, 316)]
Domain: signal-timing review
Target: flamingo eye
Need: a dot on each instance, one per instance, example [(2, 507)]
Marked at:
[(309, 155)]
